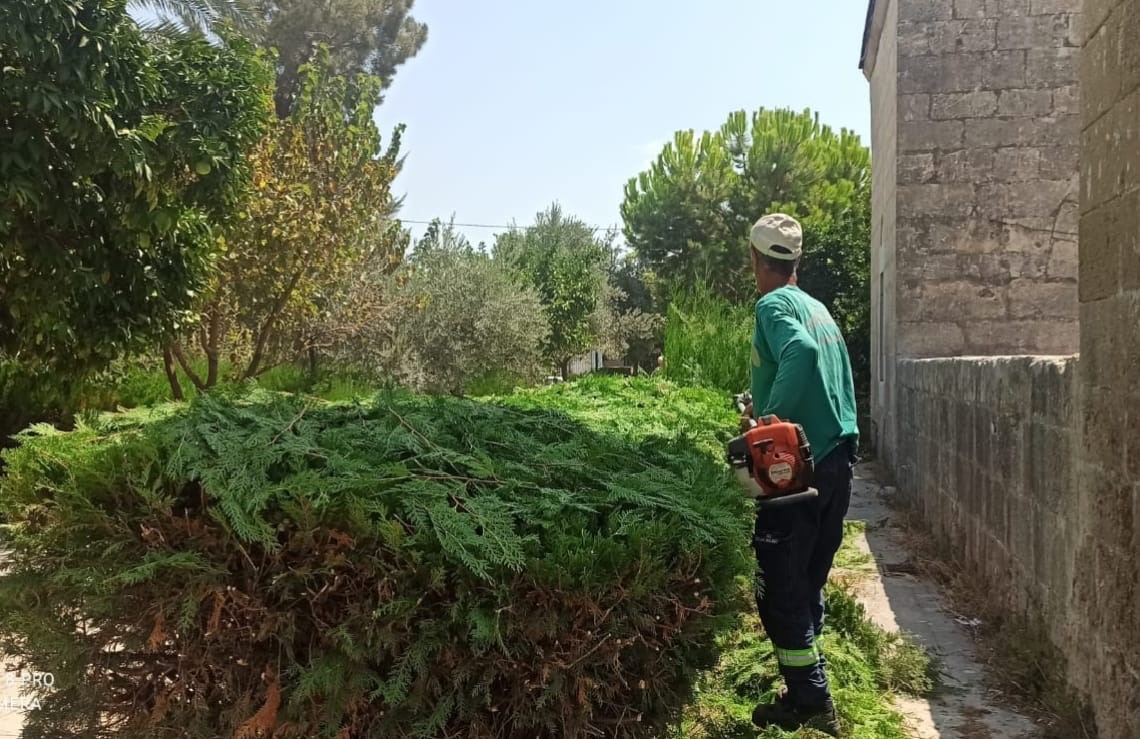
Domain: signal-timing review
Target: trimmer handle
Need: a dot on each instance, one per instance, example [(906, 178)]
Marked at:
[(742, 402), (783, 500)]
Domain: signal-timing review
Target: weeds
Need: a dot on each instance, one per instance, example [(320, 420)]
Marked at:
[(707, 341), (1027, 667)]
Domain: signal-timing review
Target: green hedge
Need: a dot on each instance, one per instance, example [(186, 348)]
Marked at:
[(404, 567)]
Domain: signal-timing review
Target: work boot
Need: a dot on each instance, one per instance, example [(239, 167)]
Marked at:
[(790, 716)]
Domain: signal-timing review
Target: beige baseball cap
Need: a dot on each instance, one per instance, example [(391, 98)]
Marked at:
[(778, 236)]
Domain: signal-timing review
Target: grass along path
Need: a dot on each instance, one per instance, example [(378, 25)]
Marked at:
[(866, 666)]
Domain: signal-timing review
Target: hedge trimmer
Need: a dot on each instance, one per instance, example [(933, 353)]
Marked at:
[(772, 459)]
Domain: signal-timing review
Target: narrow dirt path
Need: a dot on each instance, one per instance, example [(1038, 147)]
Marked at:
[(897, 600)]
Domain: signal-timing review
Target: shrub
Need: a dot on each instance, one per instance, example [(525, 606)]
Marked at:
[(407, 566), (707, 342), (472, 314)]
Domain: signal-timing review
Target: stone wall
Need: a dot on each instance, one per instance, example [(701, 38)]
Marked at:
[(987, 454), (1109, 592), (882, 68), (988, 131)]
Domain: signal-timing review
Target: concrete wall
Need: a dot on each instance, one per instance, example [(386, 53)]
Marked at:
[(882, 69), (988, 455), (1108, 593)]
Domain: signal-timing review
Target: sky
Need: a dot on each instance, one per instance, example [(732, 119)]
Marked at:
[(514, 104)]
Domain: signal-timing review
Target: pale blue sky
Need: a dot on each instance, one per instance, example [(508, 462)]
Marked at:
[(513, 104)]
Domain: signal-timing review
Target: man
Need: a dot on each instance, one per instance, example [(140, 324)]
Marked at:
[(800, 373)]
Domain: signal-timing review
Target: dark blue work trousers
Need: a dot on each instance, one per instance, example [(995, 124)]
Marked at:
[(795, 547)]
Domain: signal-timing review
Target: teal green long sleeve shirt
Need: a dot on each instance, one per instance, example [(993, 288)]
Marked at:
[(801, 371)]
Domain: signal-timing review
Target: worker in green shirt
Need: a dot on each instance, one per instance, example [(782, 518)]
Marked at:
[(800, 373)]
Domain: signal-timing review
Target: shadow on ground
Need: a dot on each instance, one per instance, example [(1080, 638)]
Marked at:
[(898, 599)]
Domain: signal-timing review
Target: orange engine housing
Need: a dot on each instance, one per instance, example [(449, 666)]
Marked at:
[(780, 456)]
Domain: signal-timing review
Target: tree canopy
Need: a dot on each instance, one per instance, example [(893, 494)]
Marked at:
[(565, 260), (320, 211), (372, 37), (116, 157), (688, 215)]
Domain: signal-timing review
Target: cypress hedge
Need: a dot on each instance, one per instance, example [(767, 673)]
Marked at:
[(257, 564)]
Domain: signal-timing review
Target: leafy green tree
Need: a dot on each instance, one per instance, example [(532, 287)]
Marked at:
[(565, 261), (472, 316), (320, 211), (836, 269), (116, 156), (373, 37), (689, 214)]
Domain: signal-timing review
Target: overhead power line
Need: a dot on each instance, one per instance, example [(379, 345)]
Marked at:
[(487, 225)]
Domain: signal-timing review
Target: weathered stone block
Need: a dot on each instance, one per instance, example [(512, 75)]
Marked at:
[(914, 38), (925, 10), (994, 269), (1125, 237), (948, 200), (946, 37), (1099, 260), (925, 339), (934, 268), (999, 132), (1008, 8), (1129, 64), (954, 37), (1067, 222), (952, 73), (1058, 163), (1031, 266), (1033, 32), (1093, 15), (976, 9), (1111, 162), (1044, 7), (1014, 199), (1063, 263), (915, 168), (1021, 337), (1032, 299), (1131, 434), (1099, 72), (1052, 67), (1102, 419), (965, 165), (1067, 100), (1128, 142), (977, 104), (914, 107), (962, 236), (961, 301), (1014, 164), (930, 135), (1026, 235), (1002, 70), (1033, 103)]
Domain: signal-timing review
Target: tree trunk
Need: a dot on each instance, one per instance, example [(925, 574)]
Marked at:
[(172, 374), (184, 363), (212, 341), (254, 368)]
